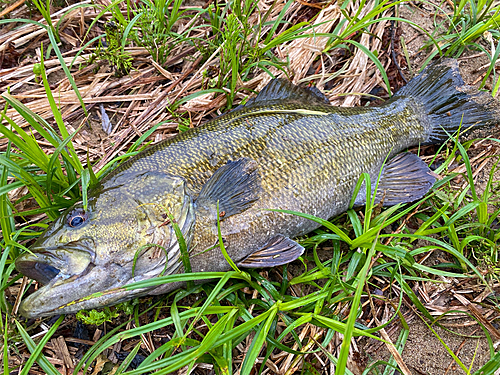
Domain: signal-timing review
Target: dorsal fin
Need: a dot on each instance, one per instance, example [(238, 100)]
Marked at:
[(281, 90)]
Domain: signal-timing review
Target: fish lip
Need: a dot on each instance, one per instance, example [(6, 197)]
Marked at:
[(61, 296)]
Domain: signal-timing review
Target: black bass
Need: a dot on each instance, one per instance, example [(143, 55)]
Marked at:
[(285, 149)]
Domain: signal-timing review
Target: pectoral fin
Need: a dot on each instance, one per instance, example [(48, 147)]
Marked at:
[(236, 186), (405, 178), (279, 250)]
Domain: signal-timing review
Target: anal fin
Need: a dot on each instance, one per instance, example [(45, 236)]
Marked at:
[(278, 251), (405, 178)]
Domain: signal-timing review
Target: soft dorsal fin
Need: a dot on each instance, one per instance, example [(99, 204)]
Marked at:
[(236, 186), (281, 90), (279, 250), (405, 178)]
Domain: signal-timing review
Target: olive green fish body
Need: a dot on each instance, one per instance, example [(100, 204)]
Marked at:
[(285, 150), (317, 152)]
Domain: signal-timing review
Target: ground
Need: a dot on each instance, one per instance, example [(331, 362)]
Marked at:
[(137, 98)]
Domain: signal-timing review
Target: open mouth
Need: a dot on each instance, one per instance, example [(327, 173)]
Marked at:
[(39, 271), (44, 266)]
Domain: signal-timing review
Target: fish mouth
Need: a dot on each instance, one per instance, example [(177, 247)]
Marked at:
[(73, 282), (46, 265), (39, 271), (96, 286), (90, 287)]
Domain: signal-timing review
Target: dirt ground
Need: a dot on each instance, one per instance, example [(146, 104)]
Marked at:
[(425, 354)]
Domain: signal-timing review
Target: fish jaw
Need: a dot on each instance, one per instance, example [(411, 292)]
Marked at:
[(71, 280), (98, 287), (45, 264), (74, 282)]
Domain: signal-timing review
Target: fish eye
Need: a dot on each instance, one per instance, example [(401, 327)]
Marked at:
[(77, 218)]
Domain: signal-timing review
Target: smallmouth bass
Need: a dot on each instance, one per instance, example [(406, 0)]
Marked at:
[(285, 149)]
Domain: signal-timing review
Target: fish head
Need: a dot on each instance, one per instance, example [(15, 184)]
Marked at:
[(88, 256)]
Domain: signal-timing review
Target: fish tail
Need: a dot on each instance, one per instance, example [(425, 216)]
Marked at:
[(450, 104)]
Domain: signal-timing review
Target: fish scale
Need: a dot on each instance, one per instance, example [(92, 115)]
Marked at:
[(286, 150), (348, 129), (328, 154)]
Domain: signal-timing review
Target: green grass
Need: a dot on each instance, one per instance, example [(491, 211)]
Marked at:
[(364, 245), (473, 25)]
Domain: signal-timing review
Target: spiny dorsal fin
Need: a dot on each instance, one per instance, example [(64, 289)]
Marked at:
[(279, 250), (405, 178), (281, 90), (236, 186)]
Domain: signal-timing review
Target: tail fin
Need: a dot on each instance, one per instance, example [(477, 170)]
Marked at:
[(450, 104)]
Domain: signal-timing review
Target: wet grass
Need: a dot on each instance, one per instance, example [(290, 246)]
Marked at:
[(243, 317)]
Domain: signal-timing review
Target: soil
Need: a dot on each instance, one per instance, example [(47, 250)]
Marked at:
[(425, 354), (472, 63)]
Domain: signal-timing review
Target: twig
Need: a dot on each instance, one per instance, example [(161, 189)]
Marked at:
[(11, 8), (19, 295)]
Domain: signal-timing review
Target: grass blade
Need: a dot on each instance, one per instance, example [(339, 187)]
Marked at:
[(36, 350)]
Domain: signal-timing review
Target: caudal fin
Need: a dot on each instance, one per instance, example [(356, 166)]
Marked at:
[(450, 104)]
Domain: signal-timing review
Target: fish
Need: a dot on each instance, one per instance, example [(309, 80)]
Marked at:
[(285, 149)]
